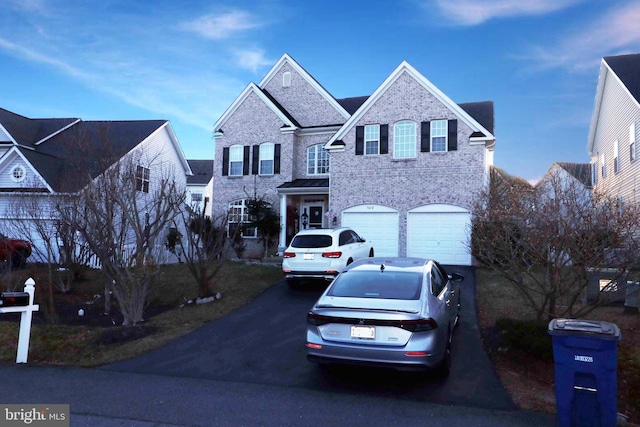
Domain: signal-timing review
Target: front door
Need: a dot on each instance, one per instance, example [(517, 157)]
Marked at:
[(316, 215)]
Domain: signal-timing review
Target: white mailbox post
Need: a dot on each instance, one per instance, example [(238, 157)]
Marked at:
[(25, 320)]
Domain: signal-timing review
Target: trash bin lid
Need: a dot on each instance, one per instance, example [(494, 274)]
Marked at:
[(592, 328)]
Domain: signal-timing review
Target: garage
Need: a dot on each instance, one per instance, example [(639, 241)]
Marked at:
[(440, 232), (376, 223)]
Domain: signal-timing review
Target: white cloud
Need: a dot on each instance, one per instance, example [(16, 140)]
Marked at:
[(475, 12), (251, 59), (222, 26), (614, 32)]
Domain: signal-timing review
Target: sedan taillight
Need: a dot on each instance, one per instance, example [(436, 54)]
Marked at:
[(331, 254), (419, 325), (317, 319), (289, 255)]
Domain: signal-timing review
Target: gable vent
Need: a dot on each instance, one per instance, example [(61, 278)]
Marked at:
[(286, 79)]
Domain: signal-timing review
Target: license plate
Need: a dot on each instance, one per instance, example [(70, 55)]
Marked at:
[(363, 332), (307, 256)]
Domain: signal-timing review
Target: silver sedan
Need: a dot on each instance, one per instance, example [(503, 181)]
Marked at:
[(392, 312)]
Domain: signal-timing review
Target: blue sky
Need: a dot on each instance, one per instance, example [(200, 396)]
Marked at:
[(187, 60)]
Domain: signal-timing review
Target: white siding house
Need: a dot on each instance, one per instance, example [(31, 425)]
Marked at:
[(613, 134), (45, 158)]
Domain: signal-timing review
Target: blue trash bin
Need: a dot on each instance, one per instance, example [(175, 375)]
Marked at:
[(585, 359)]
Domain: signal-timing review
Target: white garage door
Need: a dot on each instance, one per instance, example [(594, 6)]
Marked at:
[(440, 232), (376, 223)]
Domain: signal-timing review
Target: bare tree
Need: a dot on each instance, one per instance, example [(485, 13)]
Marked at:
[(121, 215), (203, 247), (545, 240)]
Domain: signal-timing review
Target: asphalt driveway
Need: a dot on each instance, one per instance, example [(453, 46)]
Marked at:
[(263, 343)]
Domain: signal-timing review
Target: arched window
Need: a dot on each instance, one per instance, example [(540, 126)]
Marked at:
[(404, 140)]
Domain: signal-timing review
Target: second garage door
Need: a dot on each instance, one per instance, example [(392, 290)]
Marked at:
[(440, 232), (376, 223)]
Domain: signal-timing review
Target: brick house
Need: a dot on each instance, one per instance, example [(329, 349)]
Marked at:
[(400, 166), (613, 134)]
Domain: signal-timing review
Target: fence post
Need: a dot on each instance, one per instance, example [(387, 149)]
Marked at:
[(25, 322)]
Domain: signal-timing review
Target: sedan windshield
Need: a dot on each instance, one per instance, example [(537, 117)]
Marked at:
[(311, 241), (377, 284)]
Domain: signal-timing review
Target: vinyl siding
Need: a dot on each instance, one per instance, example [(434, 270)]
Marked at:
[(618, 111)]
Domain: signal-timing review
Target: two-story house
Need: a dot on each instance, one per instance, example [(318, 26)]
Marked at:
[(401, 166), (200, 186), (613, 134), (45, 158)]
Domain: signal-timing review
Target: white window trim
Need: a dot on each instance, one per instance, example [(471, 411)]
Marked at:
[(233, 159), (632, 142), (22, 176), (616, 158), (376, 140), (319, 150), (396, 142), (265, 156), (433, 135), (143, 178), (603, 166)]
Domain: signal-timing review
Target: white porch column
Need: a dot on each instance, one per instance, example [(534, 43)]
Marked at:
[(282, 241)]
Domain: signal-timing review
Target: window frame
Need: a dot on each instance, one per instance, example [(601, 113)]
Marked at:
[(616, 157), (143, 178), (603, 165), (632, 142), (319, 155), (401, 146), (439, 129), (265, 156), (18, 170), (233, 155), (239, 214), (371, 140)]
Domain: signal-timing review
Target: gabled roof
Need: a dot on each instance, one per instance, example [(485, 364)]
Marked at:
[(480, 132), (286, 59), (288, 122), (76, 151), (625, 69), (202, 172), (580, 171), (26, 131)]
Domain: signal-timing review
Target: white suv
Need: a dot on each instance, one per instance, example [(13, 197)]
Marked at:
[(322, 254)]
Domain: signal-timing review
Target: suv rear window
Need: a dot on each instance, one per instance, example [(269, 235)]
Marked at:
[(311, 241)]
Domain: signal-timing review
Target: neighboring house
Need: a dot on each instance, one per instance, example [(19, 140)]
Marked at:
[(48, 157), (401, 166), (613, 135), (569, 175), (200, 185)]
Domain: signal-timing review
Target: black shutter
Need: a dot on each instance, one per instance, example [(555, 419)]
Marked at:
[(256, 160), (425, 137), (276, 159), (384, 139), (245, 160), (452, 144), (225, 161), (359, 140)]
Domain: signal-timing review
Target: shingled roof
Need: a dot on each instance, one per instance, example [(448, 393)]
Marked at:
[(202, 171), (627, 68), (68, 153)]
